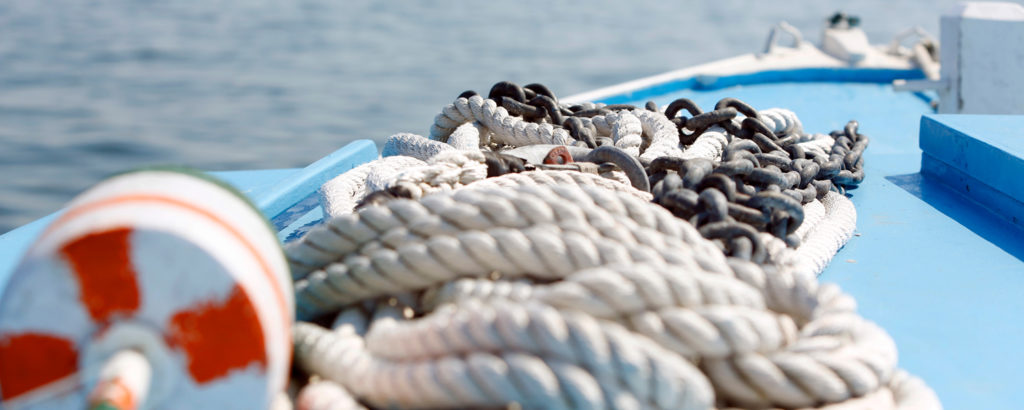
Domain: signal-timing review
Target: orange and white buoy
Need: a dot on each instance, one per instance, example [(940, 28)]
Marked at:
[(154, 289)]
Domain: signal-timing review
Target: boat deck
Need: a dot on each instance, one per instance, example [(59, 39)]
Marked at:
[(940, 272)]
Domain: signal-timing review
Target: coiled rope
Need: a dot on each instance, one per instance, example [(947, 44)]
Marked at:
[(481, 269)]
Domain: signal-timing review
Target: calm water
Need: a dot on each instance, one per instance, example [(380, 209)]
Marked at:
[(89, 88)]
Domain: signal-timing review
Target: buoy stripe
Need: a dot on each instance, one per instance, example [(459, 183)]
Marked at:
[(163, 200), (102, 263), (219, 336), (29, 361)]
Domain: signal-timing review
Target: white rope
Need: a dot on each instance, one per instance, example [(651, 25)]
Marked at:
[(506, 129), (709, 145), (479, 233), (462, 290), (621, 178), (341, 194), (604, 123), (543, 358), (828, 225), (819, 143), (577, 208), (445, 171), (627, 128), (326, 395), (848, 358), (836, 357), (662, 132), (911, 393), (560, 178), (696, 315), (781, 121), (825, 239), (626, 131), (904, 392), (412, 145), (708, 317), (469, 136), (814, 213), (562, 289)]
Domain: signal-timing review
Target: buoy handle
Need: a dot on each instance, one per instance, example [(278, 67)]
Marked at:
[(124, 382)]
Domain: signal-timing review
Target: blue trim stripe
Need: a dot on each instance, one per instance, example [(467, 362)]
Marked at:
[(800, 75)]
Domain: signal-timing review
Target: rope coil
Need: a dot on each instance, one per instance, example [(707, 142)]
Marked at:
[(483, 276)]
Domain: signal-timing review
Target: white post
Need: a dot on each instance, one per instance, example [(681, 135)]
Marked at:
[(982, 59)]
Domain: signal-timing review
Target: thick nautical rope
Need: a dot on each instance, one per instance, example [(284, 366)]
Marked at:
[(713, 317), (543, 358), (554, 177), (340, 195), (506, 129), (326, 395), (681, 295), (530, 229), (444, 172), (479, 278), (730, 323)]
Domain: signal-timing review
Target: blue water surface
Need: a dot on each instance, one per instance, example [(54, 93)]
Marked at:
[(89, 88)]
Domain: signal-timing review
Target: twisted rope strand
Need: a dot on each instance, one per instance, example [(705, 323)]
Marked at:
[(340, 195), (630, 372), (520, 207), (326, 395), (506, 129)]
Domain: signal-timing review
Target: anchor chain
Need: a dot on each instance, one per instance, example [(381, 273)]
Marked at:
[(761, 182)]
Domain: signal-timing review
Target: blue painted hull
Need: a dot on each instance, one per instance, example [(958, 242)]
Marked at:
[(940, 272)]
